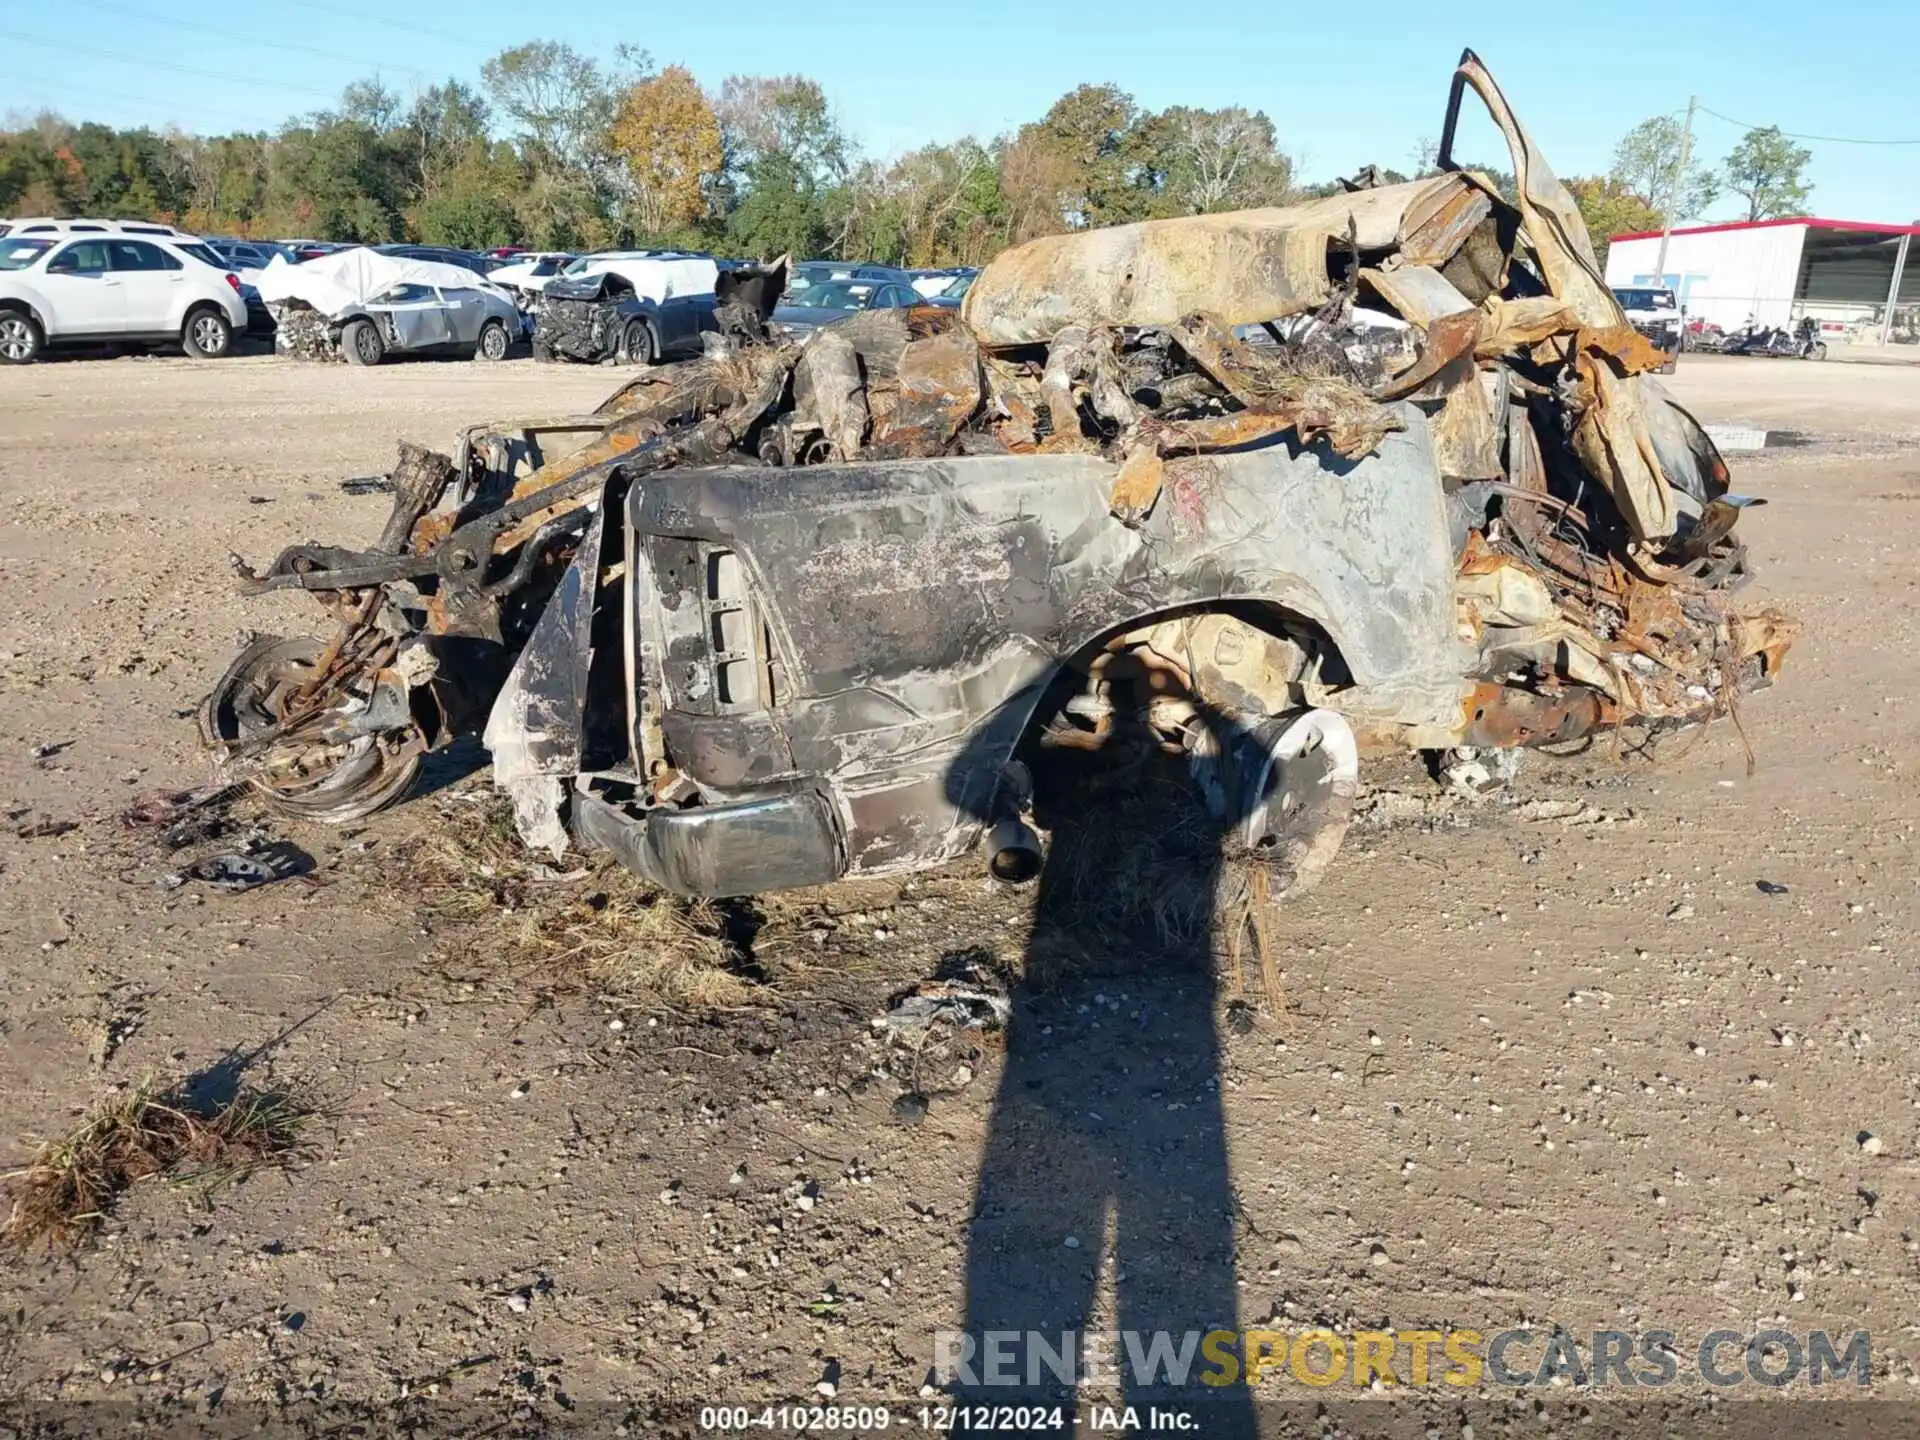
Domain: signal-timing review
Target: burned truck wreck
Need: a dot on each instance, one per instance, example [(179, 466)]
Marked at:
[(1385, 469)]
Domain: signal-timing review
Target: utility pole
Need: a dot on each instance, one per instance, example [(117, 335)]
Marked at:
[(1893, 290), (1673, 190)]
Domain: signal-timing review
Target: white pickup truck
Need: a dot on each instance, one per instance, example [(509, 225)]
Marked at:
[(1654, 311)]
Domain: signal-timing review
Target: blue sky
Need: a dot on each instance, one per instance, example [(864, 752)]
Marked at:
[(1344, 85)]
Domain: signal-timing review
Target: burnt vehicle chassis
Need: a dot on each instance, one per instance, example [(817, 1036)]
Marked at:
[(787, 613)]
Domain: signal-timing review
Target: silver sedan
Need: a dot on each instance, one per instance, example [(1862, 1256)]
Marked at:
[(418, 319)]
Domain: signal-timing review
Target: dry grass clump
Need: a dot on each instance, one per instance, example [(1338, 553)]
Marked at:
[(1138, 874), (589, 923), (632, 940), (70, 1185)]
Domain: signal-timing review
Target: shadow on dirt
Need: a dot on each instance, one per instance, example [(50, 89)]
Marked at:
[(1106, 1169)]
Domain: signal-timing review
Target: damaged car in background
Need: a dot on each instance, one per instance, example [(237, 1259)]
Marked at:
[(795, 611), (619, 305), (596, 318), (362, 305)]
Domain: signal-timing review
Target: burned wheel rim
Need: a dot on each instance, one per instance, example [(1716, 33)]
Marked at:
[(493, 341), (1294, 780), (303, 776), (209, 335), (17, 339)]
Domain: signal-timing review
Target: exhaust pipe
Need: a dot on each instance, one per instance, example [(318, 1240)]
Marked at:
[(1014, 851)]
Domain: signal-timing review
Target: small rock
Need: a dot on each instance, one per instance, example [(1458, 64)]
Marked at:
[(1377, 1255), (1869, 1142), (1072, 1242), (910, 1108), (1682, 911), (1289, 1245), (1768, 887), (519, 1092)]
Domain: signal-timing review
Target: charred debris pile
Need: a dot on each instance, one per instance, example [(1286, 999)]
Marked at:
[(1592, 533), (1590, 513)]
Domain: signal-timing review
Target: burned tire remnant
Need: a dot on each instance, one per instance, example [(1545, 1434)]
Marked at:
[(1386, 468)]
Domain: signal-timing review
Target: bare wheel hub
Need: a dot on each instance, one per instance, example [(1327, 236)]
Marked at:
[(1285, 790)]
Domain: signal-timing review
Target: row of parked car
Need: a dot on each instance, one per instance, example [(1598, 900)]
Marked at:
[(90, 282)]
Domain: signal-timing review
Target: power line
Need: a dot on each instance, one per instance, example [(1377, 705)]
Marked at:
[(106, 94), (366, 19), (147, 62), (1822, 139), (233, 37)]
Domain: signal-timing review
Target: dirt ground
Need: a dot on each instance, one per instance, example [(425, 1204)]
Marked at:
[(1583, 1070)]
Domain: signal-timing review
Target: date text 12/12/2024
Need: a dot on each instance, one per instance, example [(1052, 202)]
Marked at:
[(943, 1419)]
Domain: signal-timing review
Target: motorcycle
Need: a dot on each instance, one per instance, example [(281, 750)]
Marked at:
[(1703, 336), (1801, 343)]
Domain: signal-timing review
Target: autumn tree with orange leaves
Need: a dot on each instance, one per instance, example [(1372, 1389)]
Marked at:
[(670, 139)]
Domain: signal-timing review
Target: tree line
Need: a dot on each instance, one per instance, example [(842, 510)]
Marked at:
[(558, 149)]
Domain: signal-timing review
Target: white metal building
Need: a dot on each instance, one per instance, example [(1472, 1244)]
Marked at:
[(1852, 276)]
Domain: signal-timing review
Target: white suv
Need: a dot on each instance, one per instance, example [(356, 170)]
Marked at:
[(76, 286)]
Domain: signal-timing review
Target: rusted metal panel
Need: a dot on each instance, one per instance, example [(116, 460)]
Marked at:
[(1503, 717), (1508, 326), (1548, 211), (1445, 361), (1465, 443), (1611, 437), (1440, 220), (1242, 267), (939, 389), (1418, 293)]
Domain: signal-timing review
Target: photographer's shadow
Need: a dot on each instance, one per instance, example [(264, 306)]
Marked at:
[(1107, 1153)]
